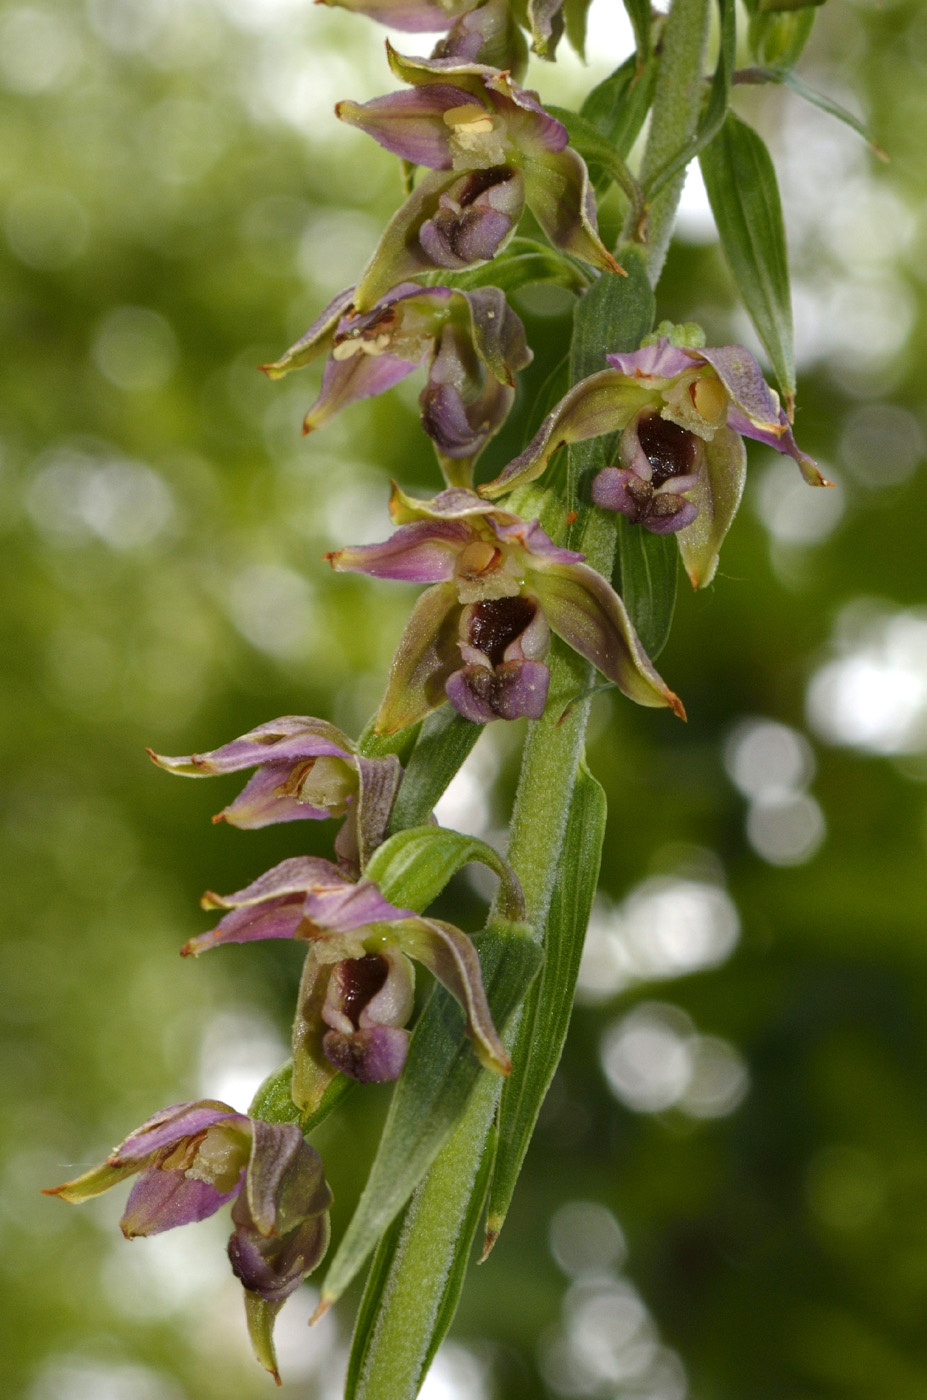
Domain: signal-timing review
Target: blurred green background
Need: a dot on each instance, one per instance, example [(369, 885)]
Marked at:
[(727, 1195)]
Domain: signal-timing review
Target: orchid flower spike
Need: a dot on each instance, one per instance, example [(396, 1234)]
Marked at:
[(500, 586), (491, 149), (306, 768), (310, 899), (472, 345), (193, 1158), (683, 413)]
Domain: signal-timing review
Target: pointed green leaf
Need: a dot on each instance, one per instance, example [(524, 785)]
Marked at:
[(412, 867), (445, 740), (393, 1269), (826, 104), (640, 15), (546, 1016), (741, 181), (646, 576), (618, 107), (430, 1097)]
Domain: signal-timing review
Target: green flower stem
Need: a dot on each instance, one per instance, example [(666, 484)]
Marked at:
[(674, 117), (412, 1313), (400, 1347)]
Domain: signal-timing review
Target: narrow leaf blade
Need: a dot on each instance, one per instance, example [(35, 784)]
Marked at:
[(445, 740), (647, 577), (388, 1271), (741, 181), (440, 1074), (548, 1006), (618, 106)]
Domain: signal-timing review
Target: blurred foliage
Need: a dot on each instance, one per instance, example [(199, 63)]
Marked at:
[(177, 204)]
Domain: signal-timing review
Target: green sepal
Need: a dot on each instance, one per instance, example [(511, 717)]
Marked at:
[(641, 16), (575, 17), (744, 194), (618, 106), (94, 1182), (546, 1015), (431, 1095), (716, 108), (600, 157), (445, 740), (261, 1316), (388, 1267), (412, 868), (273, 1102)]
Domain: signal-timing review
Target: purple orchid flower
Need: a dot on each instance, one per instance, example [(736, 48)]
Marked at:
[(193, 1158), (544, 18), (500, 585), (491, 149), (364, 1006), (683, 413), (306, 768), (350, 1019), (471, 343)]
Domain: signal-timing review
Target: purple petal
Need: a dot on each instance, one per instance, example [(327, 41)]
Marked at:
[(454, 207), (488, 35), (659, 361), (296, 876), (260, 802), (512, 690), (474, 219), (423, 552), (374, 1056), (410, 16), (275, 918), (458, 429), (410, 124), (532, 129), (530, 537), (289, 739), (348, 381), (661, 511), (350, 907), (749, 393), (172, 1125), (161, 1200)]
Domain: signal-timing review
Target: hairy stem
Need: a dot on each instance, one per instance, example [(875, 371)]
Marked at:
[(676, 106)]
